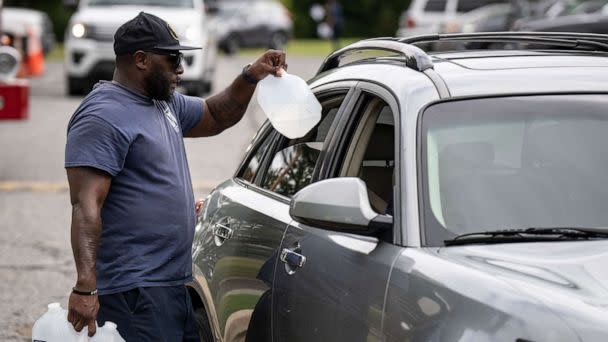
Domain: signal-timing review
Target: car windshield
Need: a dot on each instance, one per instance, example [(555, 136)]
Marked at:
[(162, 3), (514, 162)]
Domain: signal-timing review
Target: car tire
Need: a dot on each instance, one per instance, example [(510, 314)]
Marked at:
[(204, 328), (231, 45), (278, 40), (75, 86)]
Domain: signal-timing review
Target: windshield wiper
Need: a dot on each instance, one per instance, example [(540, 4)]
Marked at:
[(529, 235)]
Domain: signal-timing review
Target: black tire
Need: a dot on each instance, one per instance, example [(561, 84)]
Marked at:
[(278, 40), (204, 329), (75, 87), (231, 45)]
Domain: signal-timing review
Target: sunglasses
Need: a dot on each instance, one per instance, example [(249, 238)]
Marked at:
[(175, 58)]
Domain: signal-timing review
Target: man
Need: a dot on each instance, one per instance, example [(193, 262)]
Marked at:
[(130, 188), (335, 20)]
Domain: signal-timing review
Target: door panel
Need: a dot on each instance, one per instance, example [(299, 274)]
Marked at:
[(337, 294), (244, 232)]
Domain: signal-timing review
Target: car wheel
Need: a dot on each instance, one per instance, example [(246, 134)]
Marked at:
[(204, 329), (231, 45), (75, 87), (278, 40)]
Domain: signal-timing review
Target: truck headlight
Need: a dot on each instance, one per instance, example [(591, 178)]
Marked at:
[(191, 34), (79, 30)]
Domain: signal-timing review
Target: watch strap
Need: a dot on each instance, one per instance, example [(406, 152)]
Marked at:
[(84, 293), (247, 77)]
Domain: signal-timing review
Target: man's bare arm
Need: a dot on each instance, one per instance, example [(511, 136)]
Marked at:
[(225, 109), (88, 190)]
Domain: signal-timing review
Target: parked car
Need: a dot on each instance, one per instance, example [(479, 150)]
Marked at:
[(89, 54), (16, 22), (265, 24), (426, 16), (586, 17), (490, 18), (442, 197)]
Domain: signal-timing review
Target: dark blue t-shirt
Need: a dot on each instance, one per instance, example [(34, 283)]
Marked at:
[(148, 216)]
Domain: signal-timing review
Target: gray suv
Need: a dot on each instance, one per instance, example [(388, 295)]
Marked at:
[(456, 196)]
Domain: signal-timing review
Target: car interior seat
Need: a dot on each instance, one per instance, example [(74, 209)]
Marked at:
[(378, 166)]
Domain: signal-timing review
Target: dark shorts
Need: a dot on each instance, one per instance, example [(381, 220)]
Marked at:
[(159, 314)]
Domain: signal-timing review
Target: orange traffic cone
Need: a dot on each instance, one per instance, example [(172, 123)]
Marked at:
[(35, 54)]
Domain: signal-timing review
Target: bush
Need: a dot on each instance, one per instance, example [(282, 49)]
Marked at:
[(363, 18)]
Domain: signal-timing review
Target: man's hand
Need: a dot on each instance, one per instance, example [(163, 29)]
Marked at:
[(82, 312), (271, 63)]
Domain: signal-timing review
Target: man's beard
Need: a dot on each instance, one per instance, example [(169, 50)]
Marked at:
[(157, 85)]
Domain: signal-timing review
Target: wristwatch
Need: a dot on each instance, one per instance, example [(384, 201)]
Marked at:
[(247, 77), (84, 293)]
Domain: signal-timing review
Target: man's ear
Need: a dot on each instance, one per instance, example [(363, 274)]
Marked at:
[(141, 60)]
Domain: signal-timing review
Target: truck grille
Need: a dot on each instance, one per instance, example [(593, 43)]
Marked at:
[(102, 33)]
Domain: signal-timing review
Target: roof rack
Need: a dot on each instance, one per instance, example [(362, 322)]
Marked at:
[(586, 41), (415, 57)]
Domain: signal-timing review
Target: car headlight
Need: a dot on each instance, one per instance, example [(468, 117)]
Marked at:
[(191, 34), (79, 30)]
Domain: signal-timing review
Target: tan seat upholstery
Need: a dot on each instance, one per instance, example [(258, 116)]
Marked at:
[(378, 165)]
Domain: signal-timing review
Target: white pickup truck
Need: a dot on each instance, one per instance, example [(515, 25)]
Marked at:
[(89, 39)]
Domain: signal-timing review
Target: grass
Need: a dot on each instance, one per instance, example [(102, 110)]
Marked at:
[(297, 47), (56, 54), (306, 47)]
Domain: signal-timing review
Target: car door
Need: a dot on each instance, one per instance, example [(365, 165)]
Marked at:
[(239, 231), (245, 218), (329, 285)]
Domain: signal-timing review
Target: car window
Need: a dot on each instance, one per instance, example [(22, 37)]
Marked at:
[(294, 163), (469, 5), (435, 6), (370, 154), (254, 163)]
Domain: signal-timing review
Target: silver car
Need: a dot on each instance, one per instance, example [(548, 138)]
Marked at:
[(449, 197)]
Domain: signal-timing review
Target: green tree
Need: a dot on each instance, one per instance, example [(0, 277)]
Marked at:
[(363, 18)]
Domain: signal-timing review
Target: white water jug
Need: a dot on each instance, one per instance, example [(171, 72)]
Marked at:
[(53, 326), (289, 104), (107, 333)]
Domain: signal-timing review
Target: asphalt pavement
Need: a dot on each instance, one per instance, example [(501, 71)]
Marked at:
[(36, 264)]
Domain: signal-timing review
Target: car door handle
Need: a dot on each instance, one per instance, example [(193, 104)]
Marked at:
[(292, 258), (221, 233)]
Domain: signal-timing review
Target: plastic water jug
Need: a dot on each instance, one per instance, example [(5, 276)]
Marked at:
[(289, 104), (107, 333), (53, 326)]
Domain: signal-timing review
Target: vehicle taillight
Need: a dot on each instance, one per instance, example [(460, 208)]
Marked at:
[(410, 22)]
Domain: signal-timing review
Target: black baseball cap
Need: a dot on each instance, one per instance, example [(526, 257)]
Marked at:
[(146, 32)]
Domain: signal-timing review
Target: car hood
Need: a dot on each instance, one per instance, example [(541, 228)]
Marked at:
[(570, 278), (118, 15)]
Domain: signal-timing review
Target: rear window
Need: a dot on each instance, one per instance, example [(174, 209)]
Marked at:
[(435, 6), (469, 5)]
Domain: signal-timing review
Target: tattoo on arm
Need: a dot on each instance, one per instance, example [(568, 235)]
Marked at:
[(229, 106)]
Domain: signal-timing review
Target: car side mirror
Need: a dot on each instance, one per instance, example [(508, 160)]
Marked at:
[(338, 204)]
